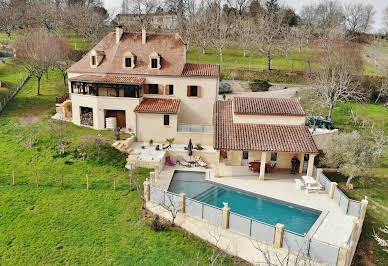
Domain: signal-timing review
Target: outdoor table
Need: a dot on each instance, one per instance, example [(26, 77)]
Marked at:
[(309, 180)]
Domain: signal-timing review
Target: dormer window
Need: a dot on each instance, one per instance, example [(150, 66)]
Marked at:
[(96, 58), (154, 61), (129, 60)]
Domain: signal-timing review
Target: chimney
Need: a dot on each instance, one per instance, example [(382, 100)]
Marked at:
[(143, 36), (119, 33)]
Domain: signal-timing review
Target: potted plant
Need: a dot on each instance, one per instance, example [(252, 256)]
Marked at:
[(198, 147), (151, 142)]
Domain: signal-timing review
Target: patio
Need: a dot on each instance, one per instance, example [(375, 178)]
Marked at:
[(336, 227)]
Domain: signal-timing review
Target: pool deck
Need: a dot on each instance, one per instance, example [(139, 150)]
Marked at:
[(335, 228)]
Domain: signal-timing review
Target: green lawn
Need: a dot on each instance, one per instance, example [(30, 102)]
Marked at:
[(374, 184), (50, 225), (10, 74)]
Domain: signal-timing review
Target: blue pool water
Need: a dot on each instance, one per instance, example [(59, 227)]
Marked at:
[(271, 211)]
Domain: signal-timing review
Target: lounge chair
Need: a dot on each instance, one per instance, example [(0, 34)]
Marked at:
[(169, 162), (166, 146), (181, 161), (316, 187), (299, 184), (200, 162)]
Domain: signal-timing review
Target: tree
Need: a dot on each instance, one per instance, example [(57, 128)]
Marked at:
[(8, 21), (65, 56), (385, 20), (220, 29), (381, 241), (358, 16), (60, 133), (35, 50), (335, 79), (244, 33), (255, 8), (272, 6), (270, 35), (351, 153)]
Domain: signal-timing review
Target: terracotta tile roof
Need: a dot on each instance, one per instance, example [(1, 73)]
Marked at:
[(169, 46), (201, 70), (109, 79), (268, 106), (158, 105), (258, 137)]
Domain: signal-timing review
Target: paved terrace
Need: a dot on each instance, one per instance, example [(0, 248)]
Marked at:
[(335, 229)]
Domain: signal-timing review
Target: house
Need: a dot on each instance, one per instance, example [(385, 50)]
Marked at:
[(268, 130), (141, 83)]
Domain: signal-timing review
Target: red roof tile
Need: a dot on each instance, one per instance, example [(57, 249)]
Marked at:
[(109, 79), (158, 105), (268, 106), (258, 137), (201, 70)]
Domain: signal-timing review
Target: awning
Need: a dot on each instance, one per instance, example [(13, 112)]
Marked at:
[(158, 105), (109, 79)]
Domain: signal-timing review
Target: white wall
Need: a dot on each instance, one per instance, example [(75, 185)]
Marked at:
[(150, 126), (269, 119)]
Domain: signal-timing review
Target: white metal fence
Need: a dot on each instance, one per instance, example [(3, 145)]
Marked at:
[(12, 92)]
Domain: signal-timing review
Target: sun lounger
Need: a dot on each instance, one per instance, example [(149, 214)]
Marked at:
[(169, 162), (200, 162), (299, 184), (166, 146), (181, 161), (316, 187)]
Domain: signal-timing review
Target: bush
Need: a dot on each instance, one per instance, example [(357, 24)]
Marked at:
[(158, 224), (259, 85)]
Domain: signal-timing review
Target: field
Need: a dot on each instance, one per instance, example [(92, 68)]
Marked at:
[(10, 74), (46, 224), (374, 184)]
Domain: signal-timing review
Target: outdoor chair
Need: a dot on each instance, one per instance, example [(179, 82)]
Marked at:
[(169, 162), (200, 162), (166, 146), (181, 161), (299, 184), (316, 187)]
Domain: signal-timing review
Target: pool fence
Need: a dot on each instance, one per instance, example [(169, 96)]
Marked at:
[(276, 236)]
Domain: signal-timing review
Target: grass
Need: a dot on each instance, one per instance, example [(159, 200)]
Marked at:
[(50, 225), (373, 184), (10, 74)]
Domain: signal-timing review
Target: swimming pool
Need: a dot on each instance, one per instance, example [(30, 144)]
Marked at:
[(295, 218)]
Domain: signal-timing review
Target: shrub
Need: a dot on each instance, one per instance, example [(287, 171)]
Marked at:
[(198, 147), (259, 85), (158, 224)]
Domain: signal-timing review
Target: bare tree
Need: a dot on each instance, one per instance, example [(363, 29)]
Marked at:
[(8, 21), (381, 241), (335, 79), (358, 16), (270, 35), (380, 138), (350, 153), (244, 33), (171, 206), (35, 51), (220, 29), (60, 132), (385, 20), (65, 56)]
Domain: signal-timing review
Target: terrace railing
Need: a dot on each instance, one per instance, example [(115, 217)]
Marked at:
[(195, 128)]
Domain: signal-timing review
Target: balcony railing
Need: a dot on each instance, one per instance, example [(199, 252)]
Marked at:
[(62, 99), (195, 128)]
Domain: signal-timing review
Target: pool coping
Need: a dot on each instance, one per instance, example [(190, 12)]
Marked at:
[(309, 234)]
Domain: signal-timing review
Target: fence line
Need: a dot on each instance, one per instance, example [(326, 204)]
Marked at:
[(261, 231), (12, 92), (349, 206)]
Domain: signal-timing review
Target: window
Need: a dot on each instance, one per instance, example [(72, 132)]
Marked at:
[(245, 155), (166, 120), (154, 63), (93, 60), (274, 156), (128, 62), (153, 89), (170, 89), (193, 91)]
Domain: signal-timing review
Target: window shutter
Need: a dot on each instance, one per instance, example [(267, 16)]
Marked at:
[(198, 91), (146, 88), (188, 91), (160, 89)]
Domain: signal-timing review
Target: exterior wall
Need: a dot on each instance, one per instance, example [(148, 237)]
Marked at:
[(150, 126), (284, 159), (101, 103), (193, 110), (269, 119)]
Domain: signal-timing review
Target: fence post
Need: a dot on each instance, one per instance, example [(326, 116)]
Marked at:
[(225, 216), (182, 202), (147, 194), (364, 204), (152, 177), (319, 172), (114, 183), (13, 177), (87, 182), (332, 189), (355, 230), (342, 256), (279, 231)]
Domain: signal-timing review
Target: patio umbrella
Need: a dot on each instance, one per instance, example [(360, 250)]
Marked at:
[(190, 148)]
